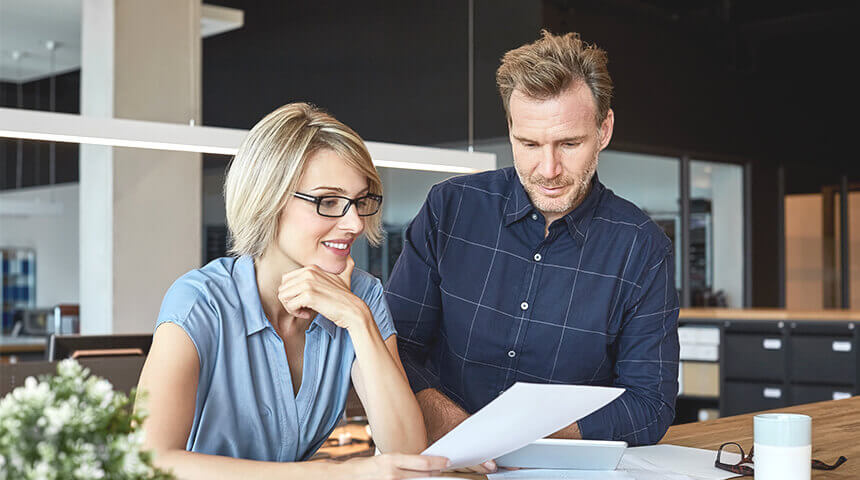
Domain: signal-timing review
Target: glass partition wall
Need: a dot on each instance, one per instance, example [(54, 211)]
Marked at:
[(715, 237), (716, 234)]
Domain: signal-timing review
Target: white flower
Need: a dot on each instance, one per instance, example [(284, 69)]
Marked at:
[(16, 460), (46, 450), (89, 470), (32, 392), (133, 465), (101, 391), (70, 368), (58, 416), (65, 427), (43, 471)]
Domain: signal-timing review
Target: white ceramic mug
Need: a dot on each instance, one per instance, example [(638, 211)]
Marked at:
[(783, 446)]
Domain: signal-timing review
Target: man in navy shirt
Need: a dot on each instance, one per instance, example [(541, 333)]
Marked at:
[(539, 273)]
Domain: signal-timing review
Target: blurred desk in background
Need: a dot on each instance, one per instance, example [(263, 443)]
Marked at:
[(24, 348), (121, 371)]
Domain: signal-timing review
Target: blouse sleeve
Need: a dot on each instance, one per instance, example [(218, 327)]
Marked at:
[(185, 305), (375, 300)]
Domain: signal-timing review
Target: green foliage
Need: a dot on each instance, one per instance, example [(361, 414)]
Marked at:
[(72, 426)]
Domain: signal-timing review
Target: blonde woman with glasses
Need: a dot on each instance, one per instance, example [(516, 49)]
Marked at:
[(253, 354)]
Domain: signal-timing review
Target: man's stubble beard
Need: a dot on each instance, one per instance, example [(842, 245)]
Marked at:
[(573, 198)]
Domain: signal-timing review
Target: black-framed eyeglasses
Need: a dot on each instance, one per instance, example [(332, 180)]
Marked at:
[(337, 206), (744, 466)]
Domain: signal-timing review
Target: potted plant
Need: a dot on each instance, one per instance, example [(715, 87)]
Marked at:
[(72, 425)]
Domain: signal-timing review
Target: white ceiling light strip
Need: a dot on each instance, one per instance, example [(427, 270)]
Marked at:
[(116, 132)]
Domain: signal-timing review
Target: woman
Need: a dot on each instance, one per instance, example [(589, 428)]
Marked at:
[(252, 355)]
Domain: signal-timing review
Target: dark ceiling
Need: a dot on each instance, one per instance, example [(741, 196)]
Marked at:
[(766, 81), (770, 80)]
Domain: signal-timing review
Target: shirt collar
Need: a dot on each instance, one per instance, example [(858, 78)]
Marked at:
[(519, 205), (580, 218), (245, 277), (577, 220), (326, 325)]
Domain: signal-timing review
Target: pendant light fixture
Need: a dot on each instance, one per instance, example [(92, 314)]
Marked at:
[(19, 145), (52, 106)]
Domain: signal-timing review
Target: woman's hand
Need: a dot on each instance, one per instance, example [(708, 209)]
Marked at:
[(484, 468), (311, 290), (395, 466)]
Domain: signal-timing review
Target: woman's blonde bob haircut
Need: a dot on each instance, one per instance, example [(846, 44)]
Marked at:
[(269, 164)]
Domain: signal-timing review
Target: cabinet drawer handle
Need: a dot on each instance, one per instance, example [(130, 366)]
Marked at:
[(771, 343), (841, 346), (841, 395), (772, 393)]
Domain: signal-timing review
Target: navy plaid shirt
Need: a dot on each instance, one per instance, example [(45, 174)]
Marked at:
[(481, 299)]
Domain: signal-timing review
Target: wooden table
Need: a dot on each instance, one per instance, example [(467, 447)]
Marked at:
[(835, 432)]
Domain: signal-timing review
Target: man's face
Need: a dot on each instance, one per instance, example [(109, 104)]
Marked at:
[(555, 145)]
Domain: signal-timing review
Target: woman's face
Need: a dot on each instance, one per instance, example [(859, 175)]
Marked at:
[(306, 238)]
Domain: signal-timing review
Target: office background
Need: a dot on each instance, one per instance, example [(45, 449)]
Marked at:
[(734, 129)]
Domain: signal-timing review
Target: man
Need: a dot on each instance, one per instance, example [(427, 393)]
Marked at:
[(539, 273)]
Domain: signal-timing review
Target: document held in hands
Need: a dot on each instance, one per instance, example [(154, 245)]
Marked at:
[(522, 414)]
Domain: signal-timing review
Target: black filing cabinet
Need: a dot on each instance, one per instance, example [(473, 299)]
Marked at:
[(823, 361), (768, 364)]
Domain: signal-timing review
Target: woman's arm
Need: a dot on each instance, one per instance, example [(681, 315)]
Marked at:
[(394, 416), (379, 379), (169, 380)]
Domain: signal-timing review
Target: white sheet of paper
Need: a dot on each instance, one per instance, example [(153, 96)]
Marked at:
[(547, 474), (694, 462), (522, 414), (540, 474)]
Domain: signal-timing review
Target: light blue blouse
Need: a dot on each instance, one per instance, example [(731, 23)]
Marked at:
[(245, 405)]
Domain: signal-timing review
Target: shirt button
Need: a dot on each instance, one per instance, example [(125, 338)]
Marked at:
[(534, 216), (537, 257), (524, 305), (512, 354)]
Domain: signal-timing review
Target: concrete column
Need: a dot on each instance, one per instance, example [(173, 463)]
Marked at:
[(140, 210)]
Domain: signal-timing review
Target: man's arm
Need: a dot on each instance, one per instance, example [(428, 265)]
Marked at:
[(569, 432), (415, 302), (414, 299), (441, 414), (646, 363)]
